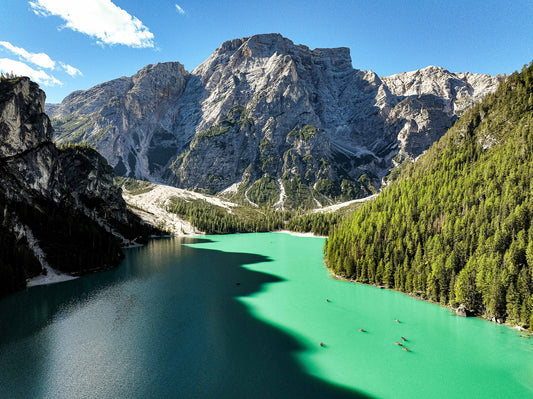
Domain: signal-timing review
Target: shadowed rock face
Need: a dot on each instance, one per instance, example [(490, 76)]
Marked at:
[(23, 124), (60, 208), (262, 111)]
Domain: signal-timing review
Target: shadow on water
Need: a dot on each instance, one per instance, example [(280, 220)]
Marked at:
[(198, 342)]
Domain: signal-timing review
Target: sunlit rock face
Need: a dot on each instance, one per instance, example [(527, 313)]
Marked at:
[(268, 121)]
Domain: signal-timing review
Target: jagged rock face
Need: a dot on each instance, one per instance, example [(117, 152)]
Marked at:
[(260, 113), (60, 208), (23, 124), (274, 110), (418, 122), (432, 99), (131, 119), (459, 90)]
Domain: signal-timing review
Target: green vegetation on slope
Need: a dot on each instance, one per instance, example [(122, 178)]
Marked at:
[(214, 219), (72, 128), (264, 192), (14, 252), (304, 134), (317, 223), (457, 226), (77, 244), (237, 116), (133, 186)]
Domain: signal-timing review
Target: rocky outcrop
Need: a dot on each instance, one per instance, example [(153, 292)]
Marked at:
[(461, 311), (457, 89), (262, 114), (61, 211), (431, 99), (23, 124), (132, 120)]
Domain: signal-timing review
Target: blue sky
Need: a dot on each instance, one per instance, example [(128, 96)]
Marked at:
[(67, 45)]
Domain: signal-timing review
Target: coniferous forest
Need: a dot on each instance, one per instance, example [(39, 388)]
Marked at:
[(456, 226), (213, 219)]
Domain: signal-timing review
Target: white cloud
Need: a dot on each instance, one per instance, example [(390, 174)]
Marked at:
[(101, 19), (40, 59), (71, 70), (21, 69), (180, 10)]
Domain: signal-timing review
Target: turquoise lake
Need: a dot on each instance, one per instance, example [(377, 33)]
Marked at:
[(243, 316)]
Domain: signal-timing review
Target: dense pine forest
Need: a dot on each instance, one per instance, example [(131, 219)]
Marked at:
[(456, 227), (213, 219)]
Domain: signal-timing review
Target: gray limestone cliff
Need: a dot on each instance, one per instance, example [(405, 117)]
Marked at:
[(60, 211), (431, 99), (269, 122)]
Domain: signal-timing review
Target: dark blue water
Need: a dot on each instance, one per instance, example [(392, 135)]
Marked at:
[(165, 324)]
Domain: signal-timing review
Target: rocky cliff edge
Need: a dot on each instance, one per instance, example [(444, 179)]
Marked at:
[(60, 212)]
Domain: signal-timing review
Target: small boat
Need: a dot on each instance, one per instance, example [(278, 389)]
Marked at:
[(404, 339), (362, 330), (396, 320), (405, 349), (327, 300), (397, 343), (322, 344)]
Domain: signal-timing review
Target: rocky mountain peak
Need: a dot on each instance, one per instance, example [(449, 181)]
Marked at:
[(262, 114), (273, 46), (430, 80), (160, 76), (459, 90), (258, 46), (433, 69), (84, 102)]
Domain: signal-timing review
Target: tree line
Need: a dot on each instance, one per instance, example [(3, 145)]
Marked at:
[(213, 219)]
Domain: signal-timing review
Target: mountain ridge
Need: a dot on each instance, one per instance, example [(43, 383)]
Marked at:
[(264, 114)]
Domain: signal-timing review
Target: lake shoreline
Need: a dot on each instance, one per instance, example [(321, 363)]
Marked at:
[(418, 297), (57, 278), (53, 276), (298, 234)]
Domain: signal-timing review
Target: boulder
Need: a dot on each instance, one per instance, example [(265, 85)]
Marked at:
[(461, 311)]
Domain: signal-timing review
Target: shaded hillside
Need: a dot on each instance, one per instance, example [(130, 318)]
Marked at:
[(457, 226), (60, 211)]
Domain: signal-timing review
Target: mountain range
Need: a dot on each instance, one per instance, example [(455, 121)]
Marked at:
[(267, 122)]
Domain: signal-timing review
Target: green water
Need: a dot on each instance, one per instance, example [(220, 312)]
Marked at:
[(243, 316)]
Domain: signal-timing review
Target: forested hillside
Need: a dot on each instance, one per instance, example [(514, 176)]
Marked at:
[(456, 226), (61, 212), (213, 219)]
